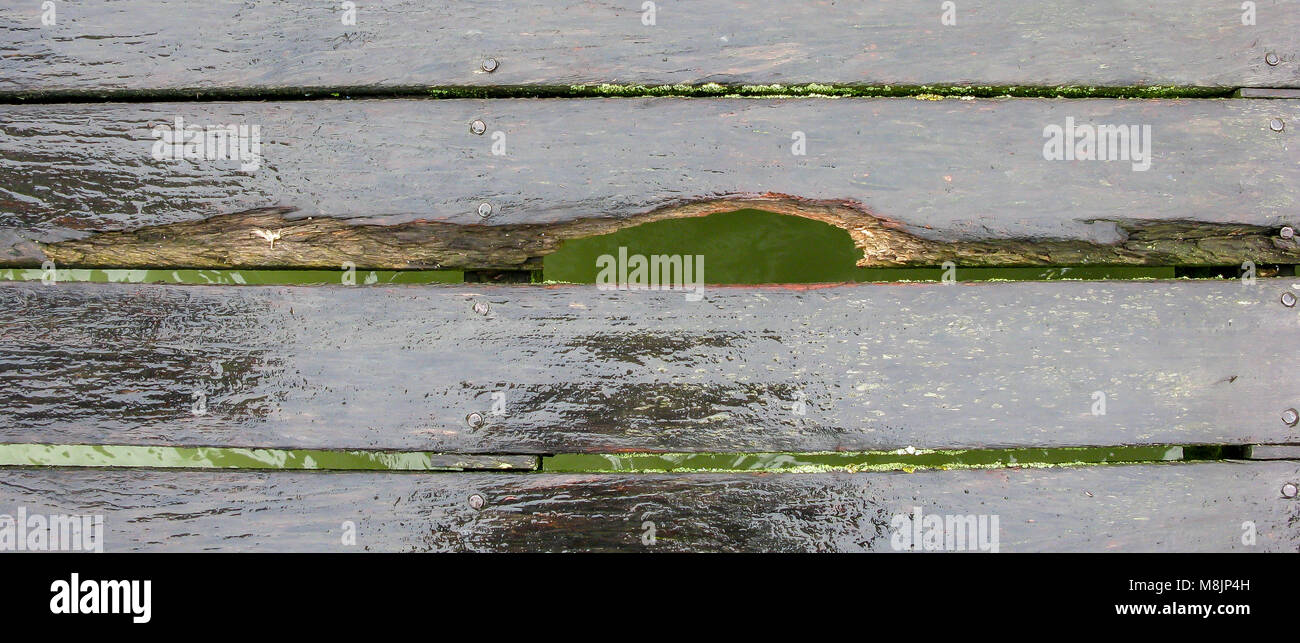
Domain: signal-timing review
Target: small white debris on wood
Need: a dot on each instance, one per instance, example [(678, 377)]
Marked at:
[(268, 235)]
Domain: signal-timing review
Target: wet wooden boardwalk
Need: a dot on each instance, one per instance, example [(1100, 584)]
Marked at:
[(480, 136)]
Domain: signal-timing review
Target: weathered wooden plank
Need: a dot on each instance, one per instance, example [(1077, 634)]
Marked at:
[(574, 369), (101, 455), (1267, 92), (98, 46), (914, 182), (1172, 507), (1275, 452)]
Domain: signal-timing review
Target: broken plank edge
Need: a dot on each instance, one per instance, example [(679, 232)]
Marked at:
[(270, 238)]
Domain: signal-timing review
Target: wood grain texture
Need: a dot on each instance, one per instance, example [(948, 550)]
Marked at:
[(239, 240), (584, 370), (156, 457), (1275, 452), (97, 46), (1262, 92), (907, 178), (1173, 507)]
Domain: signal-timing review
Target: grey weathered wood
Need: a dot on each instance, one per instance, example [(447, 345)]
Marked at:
[(240, 240), (905, 177), (878, 366), (1172, 507), (116, 455), (1275, 452), (1267, 92), (98, 46)]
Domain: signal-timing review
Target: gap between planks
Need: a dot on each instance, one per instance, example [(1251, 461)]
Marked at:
[(613, 90), (908, 460)]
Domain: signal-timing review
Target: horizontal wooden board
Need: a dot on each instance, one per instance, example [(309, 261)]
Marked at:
[(1275, 452), (194, 44), (1263, 92), (914, 182), (575, 369), (1172, 507), (108, 455)]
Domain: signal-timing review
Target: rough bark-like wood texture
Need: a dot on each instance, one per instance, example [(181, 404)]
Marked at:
[(902, 175), (1174, 507), (879, 366), (146, 44), (231, 241)]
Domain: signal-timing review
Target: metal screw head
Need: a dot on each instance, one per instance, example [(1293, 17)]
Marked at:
[(1288, 299), (481, 308), (485, 210), (478, 127), (476, 501), (1286, 232), (1289, 490), (1290, 417), (1271, 59), (1276, 125), (489, 65), (474, 419)]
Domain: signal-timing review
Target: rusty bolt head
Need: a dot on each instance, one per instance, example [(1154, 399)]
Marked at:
[(1271, 58), (1289, 490), (474, 419), (478, 127), (1288, 299), (1290, 417), (485, 210), (489, 65), (1276, 125), (1287, 232), (476, 501)]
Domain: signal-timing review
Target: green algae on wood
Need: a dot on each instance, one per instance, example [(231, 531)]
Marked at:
[(909, 459), (615, 90), (228, 241), (941, 172), (756, 247)]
